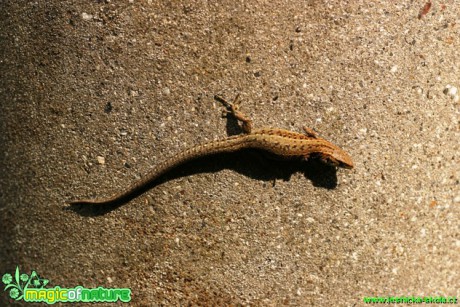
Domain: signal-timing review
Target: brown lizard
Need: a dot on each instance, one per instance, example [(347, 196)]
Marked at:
[(283, 143)]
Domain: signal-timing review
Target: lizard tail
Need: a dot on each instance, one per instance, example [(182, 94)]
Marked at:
[(230, 144)]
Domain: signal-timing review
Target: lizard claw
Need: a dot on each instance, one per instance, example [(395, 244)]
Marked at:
[(230, 106)]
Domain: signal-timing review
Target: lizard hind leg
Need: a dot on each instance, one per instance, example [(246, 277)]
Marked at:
[(232, 108)]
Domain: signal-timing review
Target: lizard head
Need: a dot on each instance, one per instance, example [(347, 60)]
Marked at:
[(337, 157)]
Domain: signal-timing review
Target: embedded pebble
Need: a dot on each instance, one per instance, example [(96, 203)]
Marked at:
[(451, 91), (100, 160), (86, 16), (423, 232)]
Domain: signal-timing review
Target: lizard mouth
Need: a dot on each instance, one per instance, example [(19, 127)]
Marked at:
[(344, 165), (336, 163)]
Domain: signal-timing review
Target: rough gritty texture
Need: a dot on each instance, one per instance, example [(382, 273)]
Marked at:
[(133, 82)]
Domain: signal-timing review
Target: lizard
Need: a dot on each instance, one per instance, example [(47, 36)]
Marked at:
[(282, 143)]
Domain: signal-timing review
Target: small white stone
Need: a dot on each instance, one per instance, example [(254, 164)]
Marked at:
[(354, 256), (166, 91), (86, 16), (394, 69), (100, 160), (423, 232), (457, 199), (109, 279), (452, 91)]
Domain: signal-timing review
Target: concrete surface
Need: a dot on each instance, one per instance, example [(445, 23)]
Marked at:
[(94, 93)]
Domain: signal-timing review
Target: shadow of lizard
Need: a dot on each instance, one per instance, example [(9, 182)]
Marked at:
[(277, 143)]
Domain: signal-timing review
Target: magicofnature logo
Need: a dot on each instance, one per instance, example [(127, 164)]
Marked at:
[(31, 288)]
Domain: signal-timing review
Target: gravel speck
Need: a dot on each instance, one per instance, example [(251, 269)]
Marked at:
[(86, 16)]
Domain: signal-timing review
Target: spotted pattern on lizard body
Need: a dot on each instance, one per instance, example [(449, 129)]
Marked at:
[(283, 143)]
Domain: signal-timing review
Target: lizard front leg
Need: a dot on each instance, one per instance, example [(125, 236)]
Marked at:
[(310, 132)]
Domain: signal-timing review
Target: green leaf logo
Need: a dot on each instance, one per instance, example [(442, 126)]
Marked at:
[(21, 282)]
